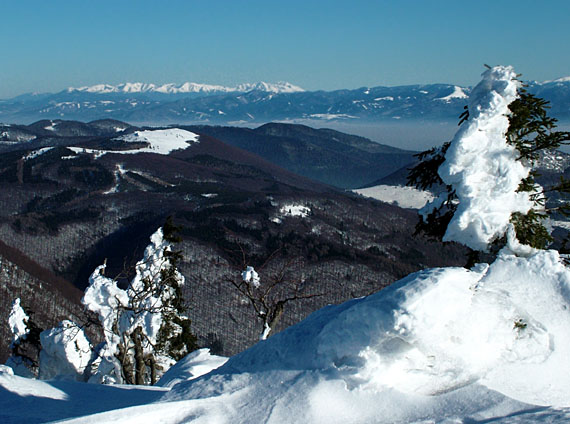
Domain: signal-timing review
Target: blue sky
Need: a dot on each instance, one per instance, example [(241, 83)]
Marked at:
[(49, 45)]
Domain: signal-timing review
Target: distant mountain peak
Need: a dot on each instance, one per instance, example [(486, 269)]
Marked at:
[(187, 87), (562, 79)]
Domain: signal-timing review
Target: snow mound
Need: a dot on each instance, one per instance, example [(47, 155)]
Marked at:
[(404, 197), (482, 167), (192, 366), (490, 337)]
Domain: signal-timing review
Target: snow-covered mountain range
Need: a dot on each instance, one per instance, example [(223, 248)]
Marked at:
[(145, 103), (187, 87)]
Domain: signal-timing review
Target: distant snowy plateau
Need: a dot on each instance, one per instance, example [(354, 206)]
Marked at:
[(143, 103)]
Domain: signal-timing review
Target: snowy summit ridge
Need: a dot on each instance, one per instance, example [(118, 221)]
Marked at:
[(187, 87)]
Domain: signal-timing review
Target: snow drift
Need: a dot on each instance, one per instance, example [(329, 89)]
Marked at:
[(499, 328)]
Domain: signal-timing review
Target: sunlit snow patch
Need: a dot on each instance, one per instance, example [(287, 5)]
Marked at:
[(37, 153), (458, 93), (404, 197), (161, 142), (291, 210), (51, 126)]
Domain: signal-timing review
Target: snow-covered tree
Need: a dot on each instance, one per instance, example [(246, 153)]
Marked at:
[(25, 345), (66, 352), (485, 173), (269, 295), (144, 325)]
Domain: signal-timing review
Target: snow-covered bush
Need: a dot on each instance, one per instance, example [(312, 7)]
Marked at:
[(66, 352), (486, 170), (144, 325)]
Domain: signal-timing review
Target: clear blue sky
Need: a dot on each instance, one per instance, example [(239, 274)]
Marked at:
[(47, 46)]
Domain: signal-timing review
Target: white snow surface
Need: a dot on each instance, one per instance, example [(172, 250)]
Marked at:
[(161, 142), (34, 154), (561, 79), (457, 93), (192, 366), (450, 345), (482, 167), (404, 197)]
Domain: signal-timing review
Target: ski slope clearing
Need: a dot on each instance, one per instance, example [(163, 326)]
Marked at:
[(404, 197)]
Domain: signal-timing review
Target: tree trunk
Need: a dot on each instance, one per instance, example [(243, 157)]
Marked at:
[(126, 364), (140, 370)]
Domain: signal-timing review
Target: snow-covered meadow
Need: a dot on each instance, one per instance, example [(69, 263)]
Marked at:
[(404, 197), (451, 345)]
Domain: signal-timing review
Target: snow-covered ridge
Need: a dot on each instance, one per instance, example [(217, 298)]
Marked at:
[(188, 87), (562, 79), (458, 93)]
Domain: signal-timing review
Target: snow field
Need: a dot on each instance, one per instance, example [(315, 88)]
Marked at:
[(404, 197), (161, 142)]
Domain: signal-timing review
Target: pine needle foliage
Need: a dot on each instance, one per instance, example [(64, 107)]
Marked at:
[(175, 338)]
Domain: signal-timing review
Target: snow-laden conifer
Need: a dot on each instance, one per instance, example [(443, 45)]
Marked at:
[(144, 325), (486, 170)]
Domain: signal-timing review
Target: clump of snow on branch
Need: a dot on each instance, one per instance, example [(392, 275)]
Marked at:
[(66, 352), (482, 167), (251, 276), (17, 321)]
